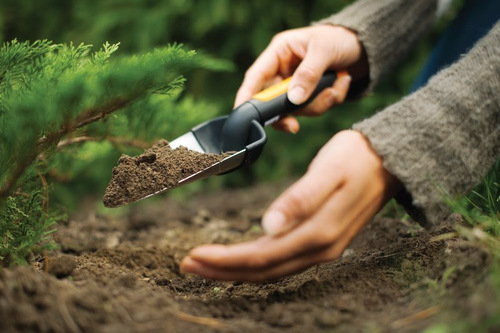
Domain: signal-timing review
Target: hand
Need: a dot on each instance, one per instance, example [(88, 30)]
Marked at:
[(306, 53), (311, 222)]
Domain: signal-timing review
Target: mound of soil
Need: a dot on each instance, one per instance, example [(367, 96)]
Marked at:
[(121, 274), (158, 168)]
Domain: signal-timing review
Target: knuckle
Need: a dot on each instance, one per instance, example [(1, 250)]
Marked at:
[(287, 33), (307, 73), (279, 37)]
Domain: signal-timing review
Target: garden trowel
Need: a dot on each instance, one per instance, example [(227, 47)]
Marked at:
[(241, 134)]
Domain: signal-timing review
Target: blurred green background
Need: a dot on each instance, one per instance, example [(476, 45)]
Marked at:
[(236, 30)]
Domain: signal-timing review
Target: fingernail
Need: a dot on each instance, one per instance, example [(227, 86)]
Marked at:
[(297, 95), (274, 222)]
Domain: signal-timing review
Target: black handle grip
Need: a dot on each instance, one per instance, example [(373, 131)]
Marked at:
[(281, 105), (265, 111)]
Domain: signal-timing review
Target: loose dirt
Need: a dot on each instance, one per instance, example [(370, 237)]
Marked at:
[(121, 274), (158, 168)]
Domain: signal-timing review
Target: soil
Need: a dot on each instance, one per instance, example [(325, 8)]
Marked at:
[(121, 274), (158, 168)]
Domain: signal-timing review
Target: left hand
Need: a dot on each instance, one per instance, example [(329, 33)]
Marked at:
[(311, 222)]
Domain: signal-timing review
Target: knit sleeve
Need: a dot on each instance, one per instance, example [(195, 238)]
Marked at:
[(443, 138), (386, 28)]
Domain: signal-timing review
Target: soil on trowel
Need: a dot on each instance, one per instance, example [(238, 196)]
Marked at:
[(158, 168)]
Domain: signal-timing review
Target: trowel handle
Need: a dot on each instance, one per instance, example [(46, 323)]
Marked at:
[(265, 107), (273, 102)]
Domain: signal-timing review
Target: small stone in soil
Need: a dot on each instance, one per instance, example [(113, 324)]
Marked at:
[(159, 167)]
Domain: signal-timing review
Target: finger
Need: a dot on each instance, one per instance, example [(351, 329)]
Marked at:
[(329, 97), (267, 273), (254, 255), (302, 199), (261, 253), (324, 101), (264, 68), (276, 61), (308, 73), (288, 124)]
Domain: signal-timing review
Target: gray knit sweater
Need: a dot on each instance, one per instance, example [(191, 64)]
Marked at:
[(444, 137)]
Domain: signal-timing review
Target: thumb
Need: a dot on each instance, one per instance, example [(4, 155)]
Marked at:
[(299, 202)]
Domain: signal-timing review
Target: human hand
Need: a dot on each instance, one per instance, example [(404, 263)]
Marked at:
[(306, 53), (312, 221)]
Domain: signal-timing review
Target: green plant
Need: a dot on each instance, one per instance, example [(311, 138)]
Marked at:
[(481, 209), (25, 227), (54, 97)]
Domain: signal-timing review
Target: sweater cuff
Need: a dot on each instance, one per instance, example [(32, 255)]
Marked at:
[(386, 29), (441, 140)]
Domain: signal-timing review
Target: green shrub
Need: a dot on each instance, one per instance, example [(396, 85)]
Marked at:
[(53, 97)]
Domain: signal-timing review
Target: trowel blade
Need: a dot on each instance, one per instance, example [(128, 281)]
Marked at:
[(189, 141)]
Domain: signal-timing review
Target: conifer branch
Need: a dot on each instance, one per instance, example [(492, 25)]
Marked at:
[(10, 183), (86, 117), (98, 113), (45, 201)]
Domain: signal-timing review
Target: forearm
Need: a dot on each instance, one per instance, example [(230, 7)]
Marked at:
[(445, 136), (386, 28)]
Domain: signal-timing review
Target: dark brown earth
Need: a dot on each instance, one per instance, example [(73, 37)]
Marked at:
[(121, 274), (158, 168)]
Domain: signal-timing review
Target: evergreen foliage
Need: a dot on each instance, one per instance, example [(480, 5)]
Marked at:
[(25, 225), (55, 95)]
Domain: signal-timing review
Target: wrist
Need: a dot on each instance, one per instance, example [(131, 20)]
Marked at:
[(390, 183), (356, 61)]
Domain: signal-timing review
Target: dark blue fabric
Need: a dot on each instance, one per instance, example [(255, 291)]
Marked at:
[(474, 20)]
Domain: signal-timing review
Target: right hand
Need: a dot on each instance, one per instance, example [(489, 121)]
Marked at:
[(312, 222), (306, 53)]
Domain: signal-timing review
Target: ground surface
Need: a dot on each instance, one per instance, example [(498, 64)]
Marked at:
[(121, 274)]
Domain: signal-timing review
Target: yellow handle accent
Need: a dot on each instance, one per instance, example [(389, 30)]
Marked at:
[(273, 91)]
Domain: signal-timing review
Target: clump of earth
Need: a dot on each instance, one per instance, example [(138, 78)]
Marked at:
[(158, 168)]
